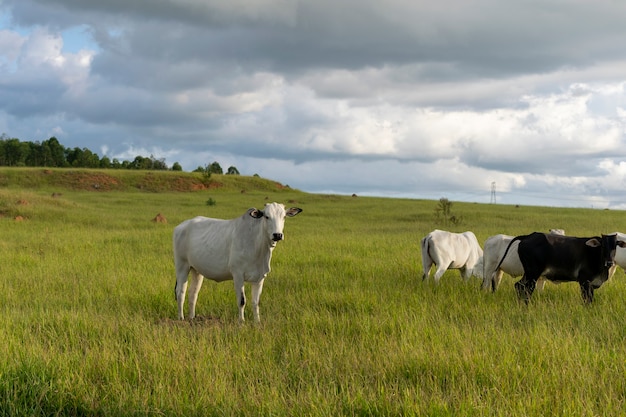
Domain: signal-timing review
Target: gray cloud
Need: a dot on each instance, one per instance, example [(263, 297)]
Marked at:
[(435, 98)]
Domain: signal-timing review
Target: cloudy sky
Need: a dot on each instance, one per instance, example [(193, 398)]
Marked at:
[(398, 98)]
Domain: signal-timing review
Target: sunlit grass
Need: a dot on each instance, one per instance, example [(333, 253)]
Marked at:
[(348, 327)]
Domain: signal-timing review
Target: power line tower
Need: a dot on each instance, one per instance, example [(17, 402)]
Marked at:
[(493, 193)]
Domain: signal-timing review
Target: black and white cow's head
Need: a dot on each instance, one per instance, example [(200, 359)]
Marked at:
[(607, 244)]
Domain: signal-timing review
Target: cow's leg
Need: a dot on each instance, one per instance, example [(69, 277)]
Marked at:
[(496, 278), (466, 273), (441, 269), (612, 270), (194, 288), (241, 296), (487, 279), (182, 272), (541, 283), (525, 288), (257, 288), (427, 263), (586, 290), (486, 283)]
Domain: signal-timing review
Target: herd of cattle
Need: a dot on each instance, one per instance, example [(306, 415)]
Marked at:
[(241, 250), (590, 261)]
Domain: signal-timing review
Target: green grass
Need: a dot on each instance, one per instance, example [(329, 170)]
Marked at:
[(348, 327)]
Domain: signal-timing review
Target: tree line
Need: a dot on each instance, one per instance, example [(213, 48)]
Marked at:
[(51, 153)]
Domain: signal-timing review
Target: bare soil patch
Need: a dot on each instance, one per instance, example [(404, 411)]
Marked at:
[(159, 218), (90, 181)]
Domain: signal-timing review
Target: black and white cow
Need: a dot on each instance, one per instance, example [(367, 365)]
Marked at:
[(586, 260), (494, 249)]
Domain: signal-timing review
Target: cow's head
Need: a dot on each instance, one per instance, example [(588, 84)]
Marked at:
[(607, 244), (273, 216)]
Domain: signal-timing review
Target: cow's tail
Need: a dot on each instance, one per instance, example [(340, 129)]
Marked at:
[(425, 241), (426, 245), (174, 249), (425, 253), (507, 249)]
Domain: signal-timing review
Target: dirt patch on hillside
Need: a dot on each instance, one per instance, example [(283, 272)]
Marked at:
[(194, 184), (90, 181), (151, 182), (161, 183), (79, 179), (187, 184)]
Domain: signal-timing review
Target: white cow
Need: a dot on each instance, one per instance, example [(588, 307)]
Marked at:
[(239, 249), (449, 250), (495, 246)]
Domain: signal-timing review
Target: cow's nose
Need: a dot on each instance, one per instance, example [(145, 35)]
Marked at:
[(277, 236)]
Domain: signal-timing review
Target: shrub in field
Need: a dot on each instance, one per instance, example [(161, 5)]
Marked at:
[(443, 212)]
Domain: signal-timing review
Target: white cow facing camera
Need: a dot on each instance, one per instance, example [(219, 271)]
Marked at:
[(239, 249)]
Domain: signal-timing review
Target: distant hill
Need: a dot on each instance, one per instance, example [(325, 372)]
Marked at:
[(101, 180)]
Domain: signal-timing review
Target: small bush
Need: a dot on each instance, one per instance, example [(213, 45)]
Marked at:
[(443, 211), (211, 202)]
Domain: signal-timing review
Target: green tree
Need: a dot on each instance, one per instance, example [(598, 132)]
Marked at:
[(206, 173), (215, 168), (34, 156), (15, 152), (232, 171), (73, 156), (54, 153), (158, 164), (141, 162), (82, 158), (51, 153), (105, 162)]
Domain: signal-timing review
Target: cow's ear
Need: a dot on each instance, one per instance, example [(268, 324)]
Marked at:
[(257, 214), (621, 244), (593, 242), (293, 211)]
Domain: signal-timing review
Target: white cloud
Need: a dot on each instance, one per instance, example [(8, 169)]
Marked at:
[(10, 46), (438, 98)]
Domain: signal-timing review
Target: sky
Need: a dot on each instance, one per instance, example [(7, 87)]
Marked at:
[(470, 100)]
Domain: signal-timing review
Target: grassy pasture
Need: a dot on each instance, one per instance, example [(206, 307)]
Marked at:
[(348, 328)]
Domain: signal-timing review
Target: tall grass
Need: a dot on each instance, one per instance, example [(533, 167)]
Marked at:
[(348, 327)]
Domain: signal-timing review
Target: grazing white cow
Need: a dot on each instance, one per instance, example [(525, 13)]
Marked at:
[(449, 250), (494, 249), (239, 249)]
